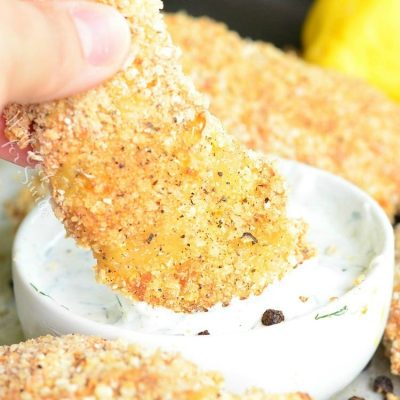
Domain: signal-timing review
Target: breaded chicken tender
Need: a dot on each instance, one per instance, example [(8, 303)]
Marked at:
[(83, 367), (391, 339), (273, 101), (176, 213)]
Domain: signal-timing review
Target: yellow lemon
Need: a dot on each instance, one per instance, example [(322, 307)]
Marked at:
[(359, 37)]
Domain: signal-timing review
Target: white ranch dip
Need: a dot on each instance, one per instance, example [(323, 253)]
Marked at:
[(346, 247)]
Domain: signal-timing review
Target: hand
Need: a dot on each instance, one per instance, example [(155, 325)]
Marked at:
[(54, 48)]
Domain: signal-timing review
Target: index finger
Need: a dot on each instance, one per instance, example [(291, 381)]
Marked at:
[(10, 151)]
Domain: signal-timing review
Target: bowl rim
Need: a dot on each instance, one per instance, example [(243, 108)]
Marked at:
[(387, 252)]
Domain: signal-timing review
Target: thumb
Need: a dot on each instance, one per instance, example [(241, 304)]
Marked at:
[(51, 49)]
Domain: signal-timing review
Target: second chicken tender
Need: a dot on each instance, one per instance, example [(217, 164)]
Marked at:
[(177, 214), (275, 102), (391, 339)]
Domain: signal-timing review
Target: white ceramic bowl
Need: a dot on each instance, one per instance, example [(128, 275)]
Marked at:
[(314, 352)]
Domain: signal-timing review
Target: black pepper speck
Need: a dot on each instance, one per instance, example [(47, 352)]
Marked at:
[(150, 238), (272, 317), (248, 235), (383, 384)]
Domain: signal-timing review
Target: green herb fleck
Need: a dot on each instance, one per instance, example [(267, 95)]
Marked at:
[(40, 292), (337, 313), (34, 286), (45, 294)]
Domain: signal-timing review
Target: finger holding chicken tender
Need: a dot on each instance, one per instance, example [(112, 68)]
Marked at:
[(175, 212)]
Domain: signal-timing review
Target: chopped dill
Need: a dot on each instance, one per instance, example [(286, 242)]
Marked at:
[(337, 313), (34, 286), (45, 294), (356, 215), (40, 292), (119, 302)]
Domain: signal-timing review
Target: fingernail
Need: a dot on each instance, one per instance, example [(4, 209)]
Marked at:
[(103, 33)]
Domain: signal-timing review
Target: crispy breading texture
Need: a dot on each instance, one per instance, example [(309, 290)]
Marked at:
[(177, 213), (85, 367), (275, 102), (391, 338)]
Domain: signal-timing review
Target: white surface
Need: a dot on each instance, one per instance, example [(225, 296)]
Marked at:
[(307, 353), (362, 386)]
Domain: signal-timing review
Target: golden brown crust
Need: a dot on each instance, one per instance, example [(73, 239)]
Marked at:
[(176, 213), (275, 102), (391, 339), (83, 367)]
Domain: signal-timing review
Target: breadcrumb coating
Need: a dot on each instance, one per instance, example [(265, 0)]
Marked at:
[(176, 212), (90, 368), (391, 338), (273, 101)]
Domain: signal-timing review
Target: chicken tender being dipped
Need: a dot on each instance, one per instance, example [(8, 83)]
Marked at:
[(176, 213)]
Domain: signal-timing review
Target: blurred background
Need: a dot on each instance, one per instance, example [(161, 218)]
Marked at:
[(357, 37), (276, 21)]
